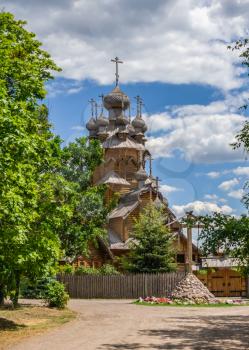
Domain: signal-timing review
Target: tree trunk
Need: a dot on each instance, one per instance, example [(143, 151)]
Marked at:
[(17, 289), (1, 295)]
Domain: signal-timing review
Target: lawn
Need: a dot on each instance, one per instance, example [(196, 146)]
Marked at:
[(29, 320)]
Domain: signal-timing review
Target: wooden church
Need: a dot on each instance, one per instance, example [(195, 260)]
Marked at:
[(123, 171)]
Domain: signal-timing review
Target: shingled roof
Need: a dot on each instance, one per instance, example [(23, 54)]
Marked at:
[(113, 178)]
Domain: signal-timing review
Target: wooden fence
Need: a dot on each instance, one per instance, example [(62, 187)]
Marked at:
[(120, 286)]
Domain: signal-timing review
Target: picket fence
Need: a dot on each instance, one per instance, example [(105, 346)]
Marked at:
[(128, 286)]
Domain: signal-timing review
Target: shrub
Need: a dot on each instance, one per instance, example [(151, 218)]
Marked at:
[(67, 268), (55, 295), (108, 269), (34, 290), (83, 270)]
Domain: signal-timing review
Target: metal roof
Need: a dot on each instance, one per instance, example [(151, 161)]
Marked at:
[(113, 178)]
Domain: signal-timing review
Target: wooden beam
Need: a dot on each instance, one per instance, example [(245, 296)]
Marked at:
[(189, 250)]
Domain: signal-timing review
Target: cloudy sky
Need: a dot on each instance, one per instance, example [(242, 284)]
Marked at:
[(175, 56)]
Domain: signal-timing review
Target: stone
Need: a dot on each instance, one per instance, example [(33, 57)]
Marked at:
[(191, 289)]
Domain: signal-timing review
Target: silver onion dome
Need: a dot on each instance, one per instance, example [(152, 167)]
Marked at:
[(116, 99), (139, 123), (122, 120), (91, 124), (102, 121), (141, 174)]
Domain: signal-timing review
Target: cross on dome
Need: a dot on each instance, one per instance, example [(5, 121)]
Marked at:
[(92, 102), (117, 61)]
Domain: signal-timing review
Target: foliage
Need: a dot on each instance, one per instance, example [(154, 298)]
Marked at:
[(34, 290), (227, 234), (47, 202), (67, 268), (86, 270), (55, 295), (85, 210), (152, 247), (28, 245), (108, 269)]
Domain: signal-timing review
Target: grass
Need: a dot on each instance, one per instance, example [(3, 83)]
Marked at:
[(27, 320), (189, 305)]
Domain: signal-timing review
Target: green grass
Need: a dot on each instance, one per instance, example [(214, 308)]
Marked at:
[(144, 303)]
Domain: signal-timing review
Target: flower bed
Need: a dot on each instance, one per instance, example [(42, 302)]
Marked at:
[(169, 301)]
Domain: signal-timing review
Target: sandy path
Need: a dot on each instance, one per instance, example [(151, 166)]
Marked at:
[(117, 324)]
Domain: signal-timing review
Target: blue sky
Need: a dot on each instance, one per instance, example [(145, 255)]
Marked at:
[(176, 58)]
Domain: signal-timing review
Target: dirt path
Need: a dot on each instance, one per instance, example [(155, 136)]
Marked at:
[(117, 324)]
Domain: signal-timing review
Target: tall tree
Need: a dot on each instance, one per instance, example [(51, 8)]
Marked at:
[(152, 247), (46, 198), (86, 209), (27, 149)]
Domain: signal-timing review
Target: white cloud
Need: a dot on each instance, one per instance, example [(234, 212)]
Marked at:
[(241, 171), (229, 184), (214, 198), (201, 208), (214, 174), (78, 128), (170, 41), (166, 189), (237, 194), (63, 87), (203, 134)]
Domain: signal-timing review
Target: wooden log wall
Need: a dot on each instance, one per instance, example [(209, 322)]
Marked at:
[(129, 286)]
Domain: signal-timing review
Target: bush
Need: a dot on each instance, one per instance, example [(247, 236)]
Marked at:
[(34, 290), (55, 295), (67, 268), (108, 269), (83, 270)]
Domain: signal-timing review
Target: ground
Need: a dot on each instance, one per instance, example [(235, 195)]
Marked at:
[(119, 324), (28, 320)]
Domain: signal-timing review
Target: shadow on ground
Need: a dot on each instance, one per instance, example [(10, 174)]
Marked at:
[(196, 333), (8, 325)]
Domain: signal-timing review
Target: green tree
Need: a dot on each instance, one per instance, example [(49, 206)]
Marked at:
[(227, 234), (86, 209), (152, 248), (28, 246)]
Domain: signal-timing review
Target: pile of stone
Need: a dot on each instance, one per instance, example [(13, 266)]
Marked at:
[(191, 290)]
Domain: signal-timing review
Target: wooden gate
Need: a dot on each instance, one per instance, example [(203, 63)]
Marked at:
[(224, 283)]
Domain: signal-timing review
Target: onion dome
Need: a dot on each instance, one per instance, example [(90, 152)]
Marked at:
[(122, 120), (131, 129), (139, 123), (116, 99), (141, 174), (91, 124), (102, 121)]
